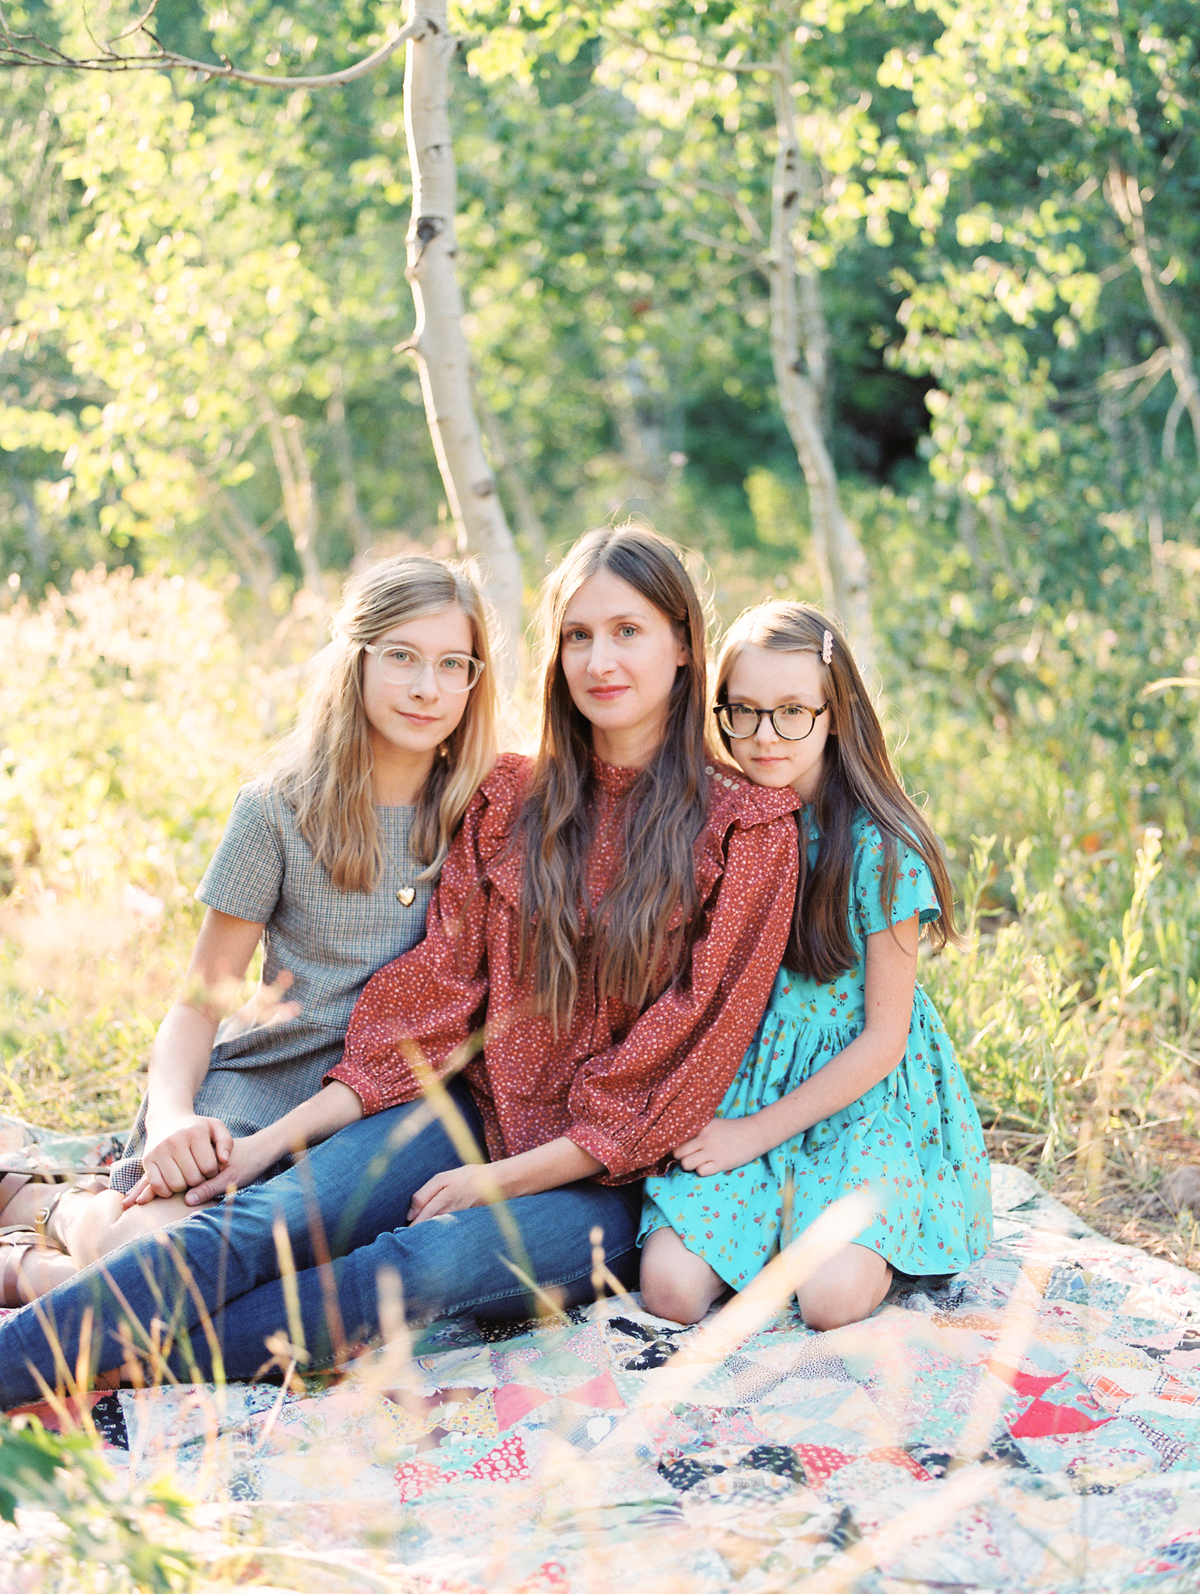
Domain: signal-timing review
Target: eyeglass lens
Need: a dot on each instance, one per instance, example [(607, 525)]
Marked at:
[(455, 672), (792, 721)]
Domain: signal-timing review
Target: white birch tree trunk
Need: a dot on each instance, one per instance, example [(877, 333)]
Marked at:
[(1124, 195), (800, 379), (438, 342), (296, 487)]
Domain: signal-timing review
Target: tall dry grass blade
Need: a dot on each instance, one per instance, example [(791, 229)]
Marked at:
[(1123, 959), (1019, 1329), (441, 1103), (602, 1276), (291, 1291), (323, 1262)]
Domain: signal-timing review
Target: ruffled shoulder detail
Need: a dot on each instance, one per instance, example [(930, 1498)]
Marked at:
[(500, 798), (497, 803), (735, 803)]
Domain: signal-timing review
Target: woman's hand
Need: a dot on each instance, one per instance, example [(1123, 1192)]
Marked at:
[(195, 1149), (722, 1145), (472, 1185)]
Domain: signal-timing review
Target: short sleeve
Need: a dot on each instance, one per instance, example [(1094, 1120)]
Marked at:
[(245, 876), (914, 884)]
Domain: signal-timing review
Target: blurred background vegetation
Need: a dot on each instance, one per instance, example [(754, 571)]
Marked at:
[(206, 416)]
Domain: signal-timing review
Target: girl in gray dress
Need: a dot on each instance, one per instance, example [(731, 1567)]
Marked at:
[(330, 860)]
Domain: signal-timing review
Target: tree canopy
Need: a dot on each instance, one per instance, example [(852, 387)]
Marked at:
[(204, 309)]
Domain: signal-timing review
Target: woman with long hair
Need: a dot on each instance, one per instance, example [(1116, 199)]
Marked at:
[(598, 952), (329, 859)]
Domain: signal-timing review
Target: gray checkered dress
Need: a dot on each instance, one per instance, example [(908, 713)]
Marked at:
[(330, 941)]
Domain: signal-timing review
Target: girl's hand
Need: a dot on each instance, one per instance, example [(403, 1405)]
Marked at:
[(196, 1149), (722, 1145), (248, 1160), (457, 1188)]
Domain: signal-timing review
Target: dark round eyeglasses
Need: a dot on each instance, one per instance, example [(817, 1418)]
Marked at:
[(792, 721)]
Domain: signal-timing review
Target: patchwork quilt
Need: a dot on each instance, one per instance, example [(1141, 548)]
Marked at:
[(1032, 1424)]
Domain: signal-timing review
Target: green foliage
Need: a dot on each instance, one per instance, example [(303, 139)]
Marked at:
[(130, 709), (1050, 728), (103, 1540), (127, 708)]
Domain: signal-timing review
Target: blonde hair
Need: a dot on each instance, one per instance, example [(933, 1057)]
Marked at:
[(665, 809), (323, 769), (856, 773)]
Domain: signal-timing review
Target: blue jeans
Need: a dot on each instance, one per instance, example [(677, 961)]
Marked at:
[(210, 1287)]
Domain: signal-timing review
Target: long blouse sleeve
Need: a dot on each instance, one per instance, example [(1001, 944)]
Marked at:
[(630, 1105), (423, 1008)]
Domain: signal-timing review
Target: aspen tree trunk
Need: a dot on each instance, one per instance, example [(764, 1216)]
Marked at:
[(529, 522), (631, 404), (439, 343), (1125, 197), (296, 486), (800, 379), (335, 410)]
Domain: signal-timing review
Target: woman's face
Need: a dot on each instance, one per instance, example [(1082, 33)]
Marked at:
[(408, 722), (620, 656), (762, 678)]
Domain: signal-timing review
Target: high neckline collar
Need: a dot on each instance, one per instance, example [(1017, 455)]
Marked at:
[(613, 778)]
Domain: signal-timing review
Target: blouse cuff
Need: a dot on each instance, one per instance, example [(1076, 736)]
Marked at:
[(610, 1152), (597, 1144), (362, 1083)]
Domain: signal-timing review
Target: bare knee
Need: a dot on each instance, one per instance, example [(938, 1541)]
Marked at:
[(844, 1289), (823, 1314), (665, 1297), (675, 1283)]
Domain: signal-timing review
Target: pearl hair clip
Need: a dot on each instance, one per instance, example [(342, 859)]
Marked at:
[(827, 648)]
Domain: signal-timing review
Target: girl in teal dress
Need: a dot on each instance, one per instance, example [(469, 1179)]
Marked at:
[(851, 1084)]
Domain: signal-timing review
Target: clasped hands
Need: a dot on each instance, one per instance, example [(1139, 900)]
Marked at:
[(200, 1160)]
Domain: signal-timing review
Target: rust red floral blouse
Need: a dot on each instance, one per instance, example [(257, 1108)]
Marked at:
[(625, 1086)]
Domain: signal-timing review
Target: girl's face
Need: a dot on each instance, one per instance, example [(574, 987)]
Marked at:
[(619, 657), (408, 723), (762, 678)]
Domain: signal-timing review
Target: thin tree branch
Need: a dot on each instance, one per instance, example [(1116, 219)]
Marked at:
[(712, 68), (725, 246), (745, 215), (159, 59), (1158, 362), (1147, 376)]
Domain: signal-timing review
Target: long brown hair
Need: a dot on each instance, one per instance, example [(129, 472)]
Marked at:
[(324, 768), (857, 773), (656, 880)]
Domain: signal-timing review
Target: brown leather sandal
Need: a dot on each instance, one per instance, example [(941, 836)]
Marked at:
[(44, 1216), (15, 1245)]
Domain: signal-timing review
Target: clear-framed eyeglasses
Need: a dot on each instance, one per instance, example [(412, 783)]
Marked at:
[(401, 666), (792, 721)]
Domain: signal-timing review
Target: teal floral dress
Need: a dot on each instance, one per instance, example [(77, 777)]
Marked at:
[(912, 1142)]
